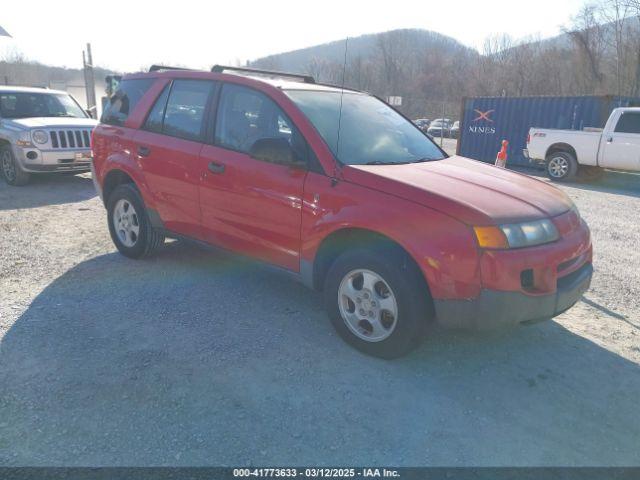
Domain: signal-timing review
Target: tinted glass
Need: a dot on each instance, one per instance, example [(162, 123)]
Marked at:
[(629, 123), (185, 108), (35, 104), (370, 131), (246, 116), (156, 115), (122, 103)]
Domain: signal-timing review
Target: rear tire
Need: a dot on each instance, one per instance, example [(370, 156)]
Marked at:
[(561, 166), (11, 171), (384, 307), (129, 225)]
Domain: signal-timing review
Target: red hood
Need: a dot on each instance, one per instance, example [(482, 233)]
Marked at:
[(471, 191)]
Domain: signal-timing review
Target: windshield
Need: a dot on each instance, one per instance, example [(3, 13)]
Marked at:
[(370, 131), (36, 104)]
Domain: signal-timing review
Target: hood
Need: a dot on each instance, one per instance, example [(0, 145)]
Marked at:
[(47, 122), (474, 192)]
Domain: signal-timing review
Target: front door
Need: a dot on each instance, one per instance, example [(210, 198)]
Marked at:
[(251, 198), (621, 148)]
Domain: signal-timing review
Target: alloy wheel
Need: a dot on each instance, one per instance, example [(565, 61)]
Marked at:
[(367, 305), (126, 222), (8, 167), (558, 167)]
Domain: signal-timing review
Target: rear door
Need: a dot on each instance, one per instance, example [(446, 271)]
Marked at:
[(168, 148), (621, 148), (249, 205)]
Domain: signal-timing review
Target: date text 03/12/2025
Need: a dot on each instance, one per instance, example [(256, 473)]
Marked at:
[(315, 473)]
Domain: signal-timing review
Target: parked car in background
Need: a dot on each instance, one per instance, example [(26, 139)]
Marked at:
[(455, 129), (440, 127), (42, 131), (422, 123), (567, 153), (395, 233)]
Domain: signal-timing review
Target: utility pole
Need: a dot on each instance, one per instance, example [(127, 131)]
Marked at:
[(89, 81), (442, 126)]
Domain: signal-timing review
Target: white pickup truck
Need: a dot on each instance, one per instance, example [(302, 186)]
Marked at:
[(567, 153)]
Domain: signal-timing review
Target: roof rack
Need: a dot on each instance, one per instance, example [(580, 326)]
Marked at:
[(159, 68), (273, 73)]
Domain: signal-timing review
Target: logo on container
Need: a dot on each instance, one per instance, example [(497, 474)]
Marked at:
[(482, 123)]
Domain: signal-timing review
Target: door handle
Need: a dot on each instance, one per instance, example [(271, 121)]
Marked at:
[(216, 167), (143, 151), (610, 140)]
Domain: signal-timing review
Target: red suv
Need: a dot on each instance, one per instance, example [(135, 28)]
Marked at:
[(339, 188)]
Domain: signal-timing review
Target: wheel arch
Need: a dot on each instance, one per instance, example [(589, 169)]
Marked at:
[(342, 239), (112, 179), (561, 147)]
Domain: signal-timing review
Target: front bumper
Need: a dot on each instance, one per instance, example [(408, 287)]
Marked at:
[(495, 308), (528, 284), (61, 160)]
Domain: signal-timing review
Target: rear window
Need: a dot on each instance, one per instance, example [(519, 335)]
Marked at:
[(629, 123), (124, 101)]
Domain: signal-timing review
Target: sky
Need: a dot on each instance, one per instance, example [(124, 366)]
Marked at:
[(129, 35)]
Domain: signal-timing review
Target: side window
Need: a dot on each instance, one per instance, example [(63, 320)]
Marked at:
[(122, 103), (156, 115), (250, 122), (185, 108), (629, 123)]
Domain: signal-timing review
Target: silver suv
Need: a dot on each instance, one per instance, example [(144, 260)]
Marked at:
[(42, 130)]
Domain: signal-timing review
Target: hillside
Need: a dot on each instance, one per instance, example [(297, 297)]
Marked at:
[(21, 72), (365, 46), (432, 72), (406, 62)]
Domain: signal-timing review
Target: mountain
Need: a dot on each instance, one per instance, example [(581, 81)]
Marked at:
[(413, 41), (433, 72), (18, 71)]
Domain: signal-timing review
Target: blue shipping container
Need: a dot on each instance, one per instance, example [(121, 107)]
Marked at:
[(486, 121)]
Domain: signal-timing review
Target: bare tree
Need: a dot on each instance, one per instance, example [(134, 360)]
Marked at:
[(587, 33), (614, 13), (634, 10)]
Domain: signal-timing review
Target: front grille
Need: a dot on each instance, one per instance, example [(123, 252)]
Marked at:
[(75, 138)]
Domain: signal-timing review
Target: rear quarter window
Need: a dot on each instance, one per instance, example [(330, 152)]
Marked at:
[(628, 123), (124, 100)]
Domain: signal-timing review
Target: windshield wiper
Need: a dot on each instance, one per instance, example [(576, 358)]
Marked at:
[(378, 162), (422, 160)]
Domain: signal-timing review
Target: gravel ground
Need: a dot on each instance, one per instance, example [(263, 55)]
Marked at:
[(200, 358)]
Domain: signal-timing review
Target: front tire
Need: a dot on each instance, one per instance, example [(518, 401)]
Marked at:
[(129, 225), (11, 171), (378, 302), (561, 166)]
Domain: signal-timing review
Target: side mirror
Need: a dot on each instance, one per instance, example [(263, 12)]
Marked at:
[(275, 150)]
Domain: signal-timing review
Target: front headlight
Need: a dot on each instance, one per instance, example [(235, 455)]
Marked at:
[(517, 235), (40, 136)]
